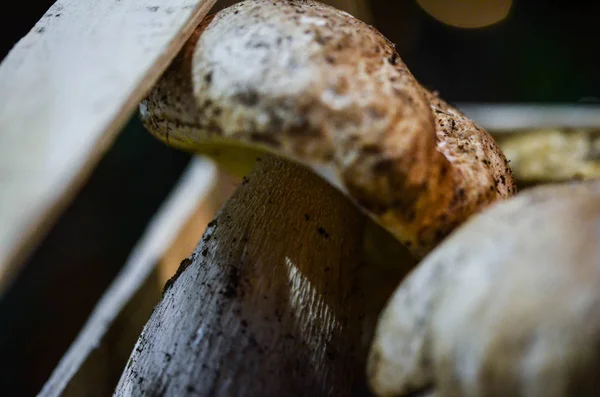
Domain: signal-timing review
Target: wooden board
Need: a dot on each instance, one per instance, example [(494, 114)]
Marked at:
[(95, 360), (506, 118), (66, 89)]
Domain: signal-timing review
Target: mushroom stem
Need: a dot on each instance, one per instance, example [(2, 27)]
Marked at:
[(268, 304)]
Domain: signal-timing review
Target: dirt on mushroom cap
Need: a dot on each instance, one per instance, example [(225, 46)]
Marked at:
[(314, 84)]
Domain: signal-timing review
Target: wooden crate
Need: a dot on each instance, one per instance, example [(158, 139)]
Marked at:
[(67, 89)]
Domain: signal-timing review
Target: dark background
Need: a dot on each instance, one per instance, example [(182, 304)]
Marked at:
[(544, 51)]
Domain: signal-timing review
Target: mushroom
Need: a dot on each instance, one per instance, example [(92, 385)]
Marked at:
[(342, 130), (313, 84), (508, 305), (270, 303)]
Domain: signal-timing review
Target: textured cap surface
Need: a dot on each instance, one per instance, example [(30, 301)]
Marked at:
[(314, 84)]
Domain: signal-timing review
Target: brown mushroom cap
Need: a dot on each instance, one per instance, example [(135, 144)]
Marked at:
[(316, 85), (508, 305)]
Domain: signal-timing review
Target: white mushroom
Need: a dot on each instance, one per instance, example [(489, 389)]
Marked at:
[(508, 305)]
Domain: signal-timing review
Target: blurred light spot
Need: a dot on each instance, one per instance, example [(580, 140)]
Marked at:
[(589, 99), (467, 13)]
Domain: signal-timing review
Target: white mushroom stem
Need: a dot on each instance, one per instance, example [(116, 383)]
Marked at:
[(509, 305), (270, 303)]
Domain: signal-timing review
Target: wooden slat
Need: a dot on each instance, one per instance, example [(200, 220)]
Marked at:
[(85, 368), (66, 89), (192, 231), (502, 118)]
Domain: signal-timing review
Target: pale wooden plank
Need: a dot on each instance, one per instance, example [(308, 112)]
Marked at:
[(85, 369), (505, 118), (192, 231), (66, 89)]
